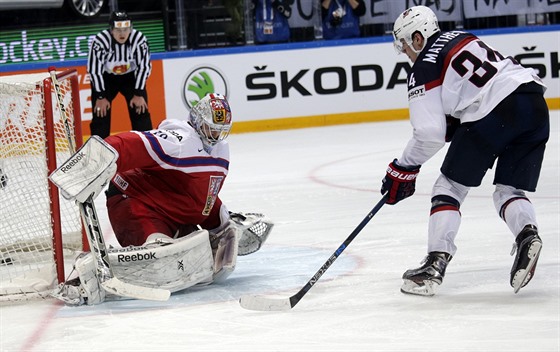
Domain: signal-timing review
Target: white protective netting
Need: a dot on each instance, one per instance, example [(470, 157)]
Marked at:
[(27, 258)]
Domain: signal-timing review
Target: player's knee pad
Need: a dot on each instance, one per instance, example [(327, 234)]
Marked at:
[(504, 195), (443, 202), (447, 187)]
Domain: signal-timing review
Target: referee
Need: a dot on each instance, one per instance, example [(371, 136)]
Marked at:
[(119, 62)]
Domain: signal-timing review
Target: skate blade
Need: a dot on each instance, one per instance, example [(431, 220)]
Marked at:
[(523, 276), (413, 288)]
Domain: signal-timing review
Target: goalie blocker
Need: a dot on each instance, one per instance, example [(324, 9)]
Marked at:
[(87, 172)]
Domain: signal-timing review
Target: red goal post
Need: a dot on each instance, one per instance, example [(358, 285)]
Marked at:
[(39, 229)]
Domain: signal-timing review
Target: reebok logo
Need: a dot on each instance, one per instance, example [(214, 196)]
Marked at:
[(135, 257), (70, 163), (126, 249)]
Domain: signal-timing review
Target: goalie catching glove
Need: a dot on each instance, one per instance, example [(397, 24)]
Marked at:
[(400, 182), (255, 230)]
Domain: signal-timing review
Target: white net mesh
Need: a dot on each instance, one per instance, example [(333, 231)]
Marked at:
[(27, 261)]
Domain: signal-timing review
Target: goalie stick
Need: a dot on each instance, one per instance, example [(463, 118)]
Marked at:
[(105, 275), (263, 303)]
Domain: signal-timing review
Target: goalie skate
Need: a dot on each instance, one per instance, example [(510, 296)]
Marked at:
[(527, 248), (424, 280)]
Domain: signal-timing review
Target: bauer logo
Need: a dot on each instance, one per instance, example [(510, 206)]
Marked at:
[(201, 81)]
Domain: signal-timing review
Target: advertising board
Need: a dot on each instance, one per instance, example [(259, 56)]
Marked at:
[(304, 84)]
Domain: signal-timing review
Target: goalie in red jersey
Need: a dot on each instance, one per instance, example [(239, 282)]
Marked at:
[(163, 204), (168, 179)]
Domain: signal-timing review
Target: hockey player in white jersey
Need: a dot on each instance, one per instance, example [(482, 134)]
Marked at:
[(492, 110)]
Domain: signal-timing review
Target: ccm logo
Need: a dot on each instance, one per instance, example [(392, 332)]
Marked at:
[(135, 257), (400, 176)]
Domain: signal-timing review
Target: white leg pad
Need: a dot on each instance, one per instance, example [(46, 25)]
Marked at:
[(85, 266), (173, 265), (168, 264), (85, 288), (225, 248)]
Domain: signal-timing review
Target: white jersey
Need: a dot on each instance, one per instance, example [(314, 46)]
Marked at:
[(458, 75)]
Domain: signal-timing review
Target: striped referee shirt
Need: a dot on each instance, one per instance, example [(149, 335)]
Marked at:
[(108, 56)]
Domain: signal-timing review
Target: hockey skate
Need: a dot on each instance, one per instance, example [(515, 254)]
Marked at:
[(526, 248), (423, 280)]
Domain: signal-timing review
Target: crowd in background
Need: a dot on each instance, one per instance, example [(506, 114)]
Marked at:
[(277, 21)]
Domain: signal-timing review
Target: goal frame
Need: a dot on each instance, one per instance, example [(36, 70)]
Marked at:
[(48, 115), (41, 232)]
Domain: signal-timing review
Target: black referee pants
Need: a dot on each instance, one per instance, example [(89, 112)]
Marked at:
[(115, 84)]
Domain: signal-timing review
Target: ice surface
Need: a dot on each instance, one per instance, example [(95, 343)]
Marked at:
[(317, 185)]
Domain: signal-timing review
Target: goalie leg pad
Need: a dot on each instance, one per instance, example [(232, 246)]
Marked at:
[(85, 266), (164, 263), (85, 288), (169, 264), (86, 172), (225, 248)]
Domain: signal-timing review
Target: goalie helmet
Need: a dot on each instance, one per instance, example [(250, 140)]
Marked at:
[(415, 19), (211, 118)]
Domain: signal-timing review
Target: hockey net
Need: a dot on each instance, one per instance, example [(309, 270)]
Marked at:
[(38, 227)]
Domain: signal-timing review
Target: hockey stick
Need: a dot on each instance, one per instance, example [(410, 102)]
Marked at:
[(95, 237), (263, 303)]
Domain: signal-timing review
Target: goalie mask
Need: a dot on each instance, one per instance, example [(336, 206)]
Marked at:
[(211, 118), (415, 19)]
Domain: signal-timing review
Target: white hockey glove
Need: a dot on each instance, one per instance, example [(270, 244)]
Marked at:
[(255, 229), (87, 172)]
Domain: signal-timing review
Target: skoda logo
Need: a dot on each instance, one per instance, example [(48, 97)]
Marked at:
[(201, 81)]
